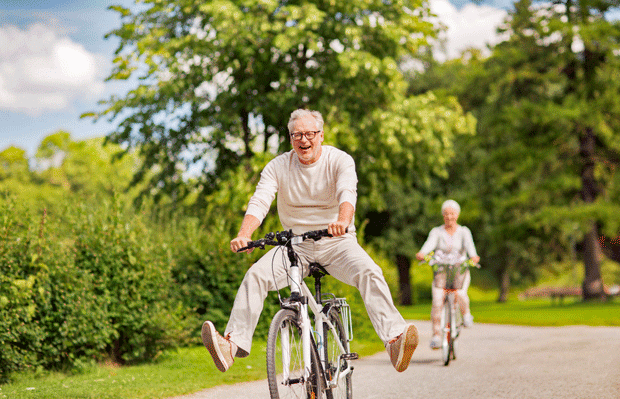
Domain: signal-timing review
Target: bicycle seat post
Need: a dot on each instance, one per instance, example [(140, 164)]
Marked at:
[(317, 272)]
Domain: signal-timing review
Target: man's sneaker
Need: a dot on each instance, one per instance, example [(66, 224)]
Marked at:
[(436, 342), (468, 320), (221, 349), (402, 347)]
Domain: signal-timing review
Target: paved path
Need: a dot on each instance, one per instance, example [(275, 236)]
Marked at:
[(493, 361)]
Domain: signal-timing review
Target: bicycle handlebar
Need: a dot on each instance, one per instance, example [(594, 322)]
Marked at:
[(283, 237), (439, 264)]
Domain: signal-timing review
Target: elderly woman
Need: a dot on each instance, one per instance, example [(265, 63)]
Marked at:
[(451, 239)]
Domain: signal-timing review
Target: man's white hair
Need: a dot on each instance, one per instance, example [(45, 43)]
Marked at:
[(451, 204), (300, 113)]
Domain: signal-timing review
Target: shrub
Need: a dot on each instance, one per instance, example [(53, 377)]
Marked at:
[(76, 288), (20, 271), (208, 274), (131, 278)]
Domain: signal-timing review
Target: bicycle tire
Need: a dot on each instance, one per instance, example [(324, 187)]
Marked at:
[(295, 385), (344, 390), (446, 331), (458, 323)]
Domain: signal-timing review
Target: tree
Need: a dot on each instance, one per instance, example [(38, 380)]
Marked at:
[(86, 167), (402, 152), (567, 93), (541, 169), (548, 136), (13, 165), (217, 77)]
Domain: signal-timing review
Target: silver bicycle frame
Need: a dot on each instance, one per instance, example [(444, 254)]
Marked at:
[(297, 285)]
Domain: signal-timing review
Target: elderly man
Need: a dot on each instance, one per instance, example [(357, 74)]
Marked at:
[(317, 188)]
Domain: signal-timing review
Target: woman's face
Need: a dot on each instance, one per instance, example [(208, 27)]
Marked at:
[(450, 215)]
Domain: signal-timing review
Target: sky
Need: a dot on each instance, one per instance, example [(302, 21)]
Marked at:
[(54, 61)]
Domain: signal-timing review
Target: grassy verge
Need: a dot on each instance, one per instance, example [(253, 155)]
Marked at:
[(191, 369), (535, 312), (184, 371)]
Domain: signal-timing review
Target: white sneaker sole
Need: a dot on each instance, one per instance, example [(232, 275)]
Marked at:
[(209, 339), (410, 343)]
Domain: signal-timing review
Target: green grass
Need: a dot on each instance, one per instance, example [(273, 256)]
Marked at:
[(534, 312), (191, 369), (184, 371)]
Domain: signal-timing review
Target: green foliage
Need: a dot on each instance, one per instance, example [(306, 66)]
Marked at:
[(131, 275), (219, 79), (20, 271), (207, 274), (529, 186), (90, 285), (50, 317)]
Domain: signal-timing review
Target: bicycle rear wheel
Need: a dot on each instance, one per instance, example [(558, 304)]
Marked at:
[(332, 352), (447, 325), (285, 360)]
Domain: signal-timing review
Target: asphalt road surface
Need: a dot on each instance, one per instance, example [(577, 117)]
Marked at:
[(493, 361)]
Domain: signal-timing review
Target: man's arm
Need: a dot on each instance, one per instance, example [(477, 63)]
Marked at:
[(345, 216), (248, 226)]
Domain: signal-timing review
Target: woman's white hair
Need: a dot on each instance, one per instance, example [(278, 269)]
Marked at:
[(451, 204)]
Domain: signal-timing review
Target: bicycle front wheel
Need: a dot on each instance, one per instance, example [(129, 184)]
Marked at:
[(286, 373), (336, 372), (458, 325), (446, 331)]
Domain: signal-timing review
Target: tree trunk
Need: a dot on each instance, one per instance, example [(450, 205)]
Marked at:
[(592, 283), (592, 287), (404, 279), (504, 286), (247, 134)]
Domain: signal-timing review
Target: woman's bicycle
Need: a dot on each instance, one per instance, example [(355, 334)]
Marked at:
[(449, 274), (305, 360)]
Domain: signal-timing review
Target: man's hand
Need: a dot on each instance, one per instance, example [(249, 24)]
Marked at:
[(337, 228), (240, 242), (345, 216), (248, 226)]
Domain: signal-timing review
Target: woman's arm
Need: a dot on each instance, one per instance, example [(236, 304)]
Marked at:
[(430, 244), (468, 243)]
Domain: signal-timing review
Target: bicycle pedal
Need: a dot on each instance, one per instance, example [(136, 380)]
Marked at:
[(350, 356)]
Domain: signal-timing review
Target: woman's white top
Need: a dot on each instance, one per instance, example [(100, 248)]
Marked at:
[(461, 242), (309, 196)]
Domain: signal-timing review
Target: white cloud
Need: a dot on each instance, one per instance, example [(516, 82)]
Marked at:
[(42, 70), (470, 26)]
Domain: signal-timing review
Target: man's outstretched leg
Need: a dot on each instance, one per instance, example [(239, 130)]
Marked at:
[(356, 268), (222, 350), (237, 339)]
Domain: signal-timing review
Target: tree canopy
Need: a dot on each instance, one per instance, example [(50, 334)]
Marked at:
[(219, 79)]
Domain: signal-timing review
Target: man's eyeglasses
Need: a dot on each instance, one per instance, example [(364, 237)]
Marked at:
[(308, 135)]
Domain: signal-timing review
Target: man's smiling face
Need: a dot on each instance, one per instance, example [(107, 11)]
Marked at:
[(307, 150)]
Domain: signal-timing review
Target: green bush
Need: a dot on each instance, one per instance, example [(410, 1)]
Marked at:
[(48, 315), (20, 271), (93, 283), (131, 277), (208, 274)]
